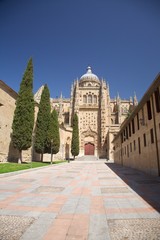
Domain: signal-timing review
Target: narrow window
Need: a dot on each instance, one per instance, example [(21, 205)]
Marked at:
[(126, 132), (152, 135), (89, 98), (84, 99), (133, 128), (149, 110), (144, 139), (124, 135), (127, 151), (130, 147), (157, 99), (129, 129), (95, 99), (139, 145), (137, 121), (142, 113), (121, 137), (134, 143)]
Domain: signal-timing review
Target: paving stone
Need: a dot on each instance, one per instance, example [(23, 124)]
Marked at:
[(5, 195), (77, 200), (39, 228), (23, 180), (70, 205), (49, 189), (13, 227), (83, 205), (133, 229), (40, 201), (115, 190), (64, 177), (98, 228), (10, 186)]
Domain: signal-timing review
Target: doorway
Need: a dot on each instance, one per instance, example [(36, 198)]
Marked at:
[(89, 149)]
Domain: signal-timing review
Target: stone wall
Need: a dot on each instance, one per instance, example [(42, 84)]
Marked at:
[(137, 144), (7, 107)]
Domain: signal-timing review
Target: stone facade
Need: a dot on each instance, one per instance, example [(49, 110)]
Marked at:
[(7, 105), (99, 116), (137, 144)]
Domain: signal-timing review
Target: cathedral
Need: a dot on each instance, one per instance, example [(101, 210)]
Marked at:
[(100, 116)]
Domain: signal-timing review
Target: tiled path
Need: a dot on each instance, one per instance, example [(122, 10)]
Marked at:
[(80, 200)]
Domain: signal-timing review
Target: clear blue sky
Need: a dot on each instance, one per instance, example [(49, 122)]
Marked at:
[(119, 39)]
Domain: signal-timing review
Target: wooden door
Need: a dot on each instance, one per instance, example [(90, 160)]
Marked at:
[(89, 149)]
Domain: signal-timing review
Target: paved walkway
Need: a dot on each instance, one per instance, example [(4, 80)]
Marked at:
[(81, 200)]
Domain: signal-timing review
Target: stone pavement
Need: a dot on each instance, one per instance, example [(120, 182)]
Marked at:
[(81, 200)]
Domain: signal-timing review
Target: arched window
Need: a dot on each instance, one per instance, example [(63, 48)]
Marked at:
[(89, 98), (95, 99), (84, 99)]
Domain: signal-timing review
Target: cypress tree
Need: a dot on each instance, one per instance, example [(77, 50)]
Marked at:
[(42, 142), (75, 137), (54, 133), (23, 120)]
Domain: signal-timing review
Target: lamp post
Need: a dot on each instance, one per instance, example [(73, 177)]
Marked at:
[(51, 151)]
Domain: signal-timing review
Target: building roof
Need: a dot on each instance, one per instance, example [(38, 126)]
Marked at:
[(9, 90), (144, 99), (89, 76)]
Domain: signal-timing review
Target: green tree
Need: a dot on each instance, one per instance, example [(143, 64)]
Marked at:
[(75, 137), (23, 120), (54, 133), (42, 142)]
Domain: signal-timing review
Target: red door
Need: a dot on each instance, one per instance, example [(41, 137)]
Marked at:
[(89, 149)]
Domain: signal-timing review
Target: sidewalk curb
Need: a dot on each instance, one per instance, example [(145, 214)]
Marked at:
[(3, 175)]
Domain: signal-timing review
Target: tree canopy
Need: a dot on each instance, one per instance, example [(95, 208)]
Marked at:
[(41, 144), (54, 132), (75, 137), (23, 120)]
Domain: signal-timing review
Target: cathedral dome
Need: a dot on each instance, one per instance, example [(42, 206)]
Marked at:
[(89, 76)]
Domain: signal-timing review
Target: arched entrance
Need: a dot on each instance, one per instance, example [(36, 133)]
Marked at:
[(89, 149)]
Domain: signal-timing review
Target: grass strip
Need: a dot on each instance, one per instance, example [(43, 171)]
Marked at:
[(12, 167)]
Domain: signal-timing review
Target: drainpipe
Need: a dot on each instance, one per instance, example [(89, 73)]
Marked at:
[(155, 131)]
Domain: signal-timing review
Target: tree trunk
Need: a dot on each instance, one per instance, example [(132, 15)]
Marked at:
[(52, 158), (41, 157), (20, 157)]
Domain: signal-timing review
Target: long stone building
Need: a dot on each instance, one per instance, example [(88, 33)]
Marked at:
[(99, 115), (137, 144)]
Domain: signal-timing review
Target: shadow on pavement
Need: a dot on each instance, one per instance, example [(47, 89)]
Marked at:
[(146, 186)]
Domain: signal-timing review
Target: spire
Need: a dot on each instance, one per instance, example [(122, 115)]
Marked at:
[(131, 100), (77, 83), (89, 70), (135, 100), (108, 86)]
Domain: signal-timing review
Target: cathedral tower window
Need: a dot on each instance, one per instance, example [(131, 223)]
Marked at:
[(84, 99), (95, 99), (90, 98)]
